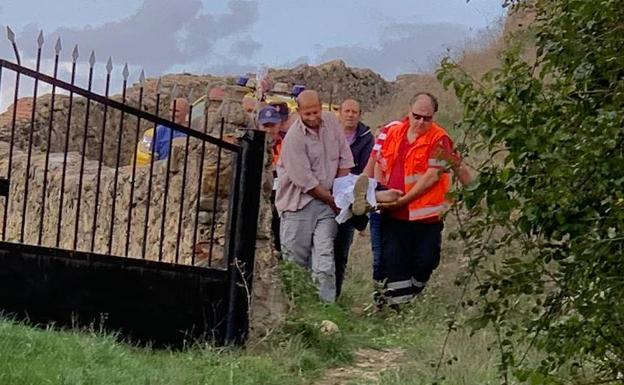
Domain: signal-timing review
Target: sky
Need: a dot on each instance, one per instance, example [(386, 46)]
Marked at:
[(229, 36)]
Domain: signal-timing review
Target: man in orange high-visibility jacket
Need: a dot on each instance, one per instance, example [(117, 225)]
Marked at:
[(410, 161)]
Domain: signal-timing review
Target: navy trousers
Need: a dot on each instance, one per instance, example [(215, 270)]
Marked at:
[(410, 253)]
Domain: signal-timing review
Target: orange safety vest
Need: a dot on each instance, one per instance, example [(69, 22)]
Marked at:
[(432, 203), (277, 149)]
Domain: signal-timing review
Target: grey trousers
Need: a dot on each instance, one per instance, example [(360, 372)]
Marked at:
[(307, 237)]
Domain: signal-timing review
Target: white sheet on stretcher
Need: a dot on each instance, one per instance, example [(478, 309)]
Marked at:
[(343, 195)]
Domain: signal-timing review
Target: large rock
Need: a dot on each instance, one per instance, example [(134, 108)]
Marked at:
[(336, 82)]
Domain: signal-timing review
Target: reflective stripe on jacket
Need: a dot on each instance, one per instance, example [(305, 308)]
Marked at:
[(432, 203)]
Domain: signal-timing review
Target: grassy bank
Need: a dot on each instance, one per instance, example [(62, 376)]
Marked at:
[(297, 354)]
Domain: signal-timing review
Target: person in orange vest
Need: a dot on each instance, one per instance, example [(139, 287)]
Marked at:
[(416, 157)]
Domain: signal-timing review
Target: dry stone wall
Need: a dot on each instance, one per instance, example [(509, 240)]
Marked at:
[(68, 133), (180, 190), (336, 82)]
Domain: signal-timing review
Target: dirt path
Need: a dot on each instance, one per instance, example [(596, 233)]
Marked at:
[(368, 366)]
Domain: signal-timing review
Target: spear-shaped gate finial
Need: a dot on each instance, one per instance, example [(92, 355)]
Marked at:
[(11, 37)]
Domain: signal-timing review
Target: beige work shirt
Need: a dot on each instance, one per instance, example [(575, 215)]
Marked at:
[(309, 158)]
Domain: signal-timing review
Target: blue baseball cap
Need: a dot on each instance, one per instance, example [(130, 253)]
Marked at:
[(242, 80), (297, 89), (269, 115), (281, 108)]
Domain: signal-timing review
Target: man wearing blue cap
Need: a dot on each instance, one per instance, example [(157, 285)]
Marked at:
[(269, 118), (272, 119)]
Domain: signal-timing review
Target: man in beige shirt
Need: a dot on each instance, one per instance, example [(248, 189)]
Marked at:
[(314, 153)]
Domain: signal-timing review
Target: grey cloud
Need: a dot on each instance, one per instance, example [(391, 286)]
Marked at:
[(298, 61), (228, 67), (403, 48), (245, 48), (204, 30), (225, 65), (157, 36)]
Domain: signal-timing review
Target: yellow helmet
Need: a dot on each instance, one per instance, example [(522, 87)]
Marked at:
[(333, 108), (144, 148), (277, 98)]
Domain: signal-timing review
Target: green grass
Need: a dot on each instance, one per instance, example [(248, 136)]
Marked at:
[(296, 354), (34, 356)]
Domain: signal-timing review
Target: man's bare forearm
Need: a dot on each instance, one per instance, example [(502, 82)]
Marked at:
[(321, 193), (464, 175), (325, 196), (370, 168), (377, 173), (343, 172)]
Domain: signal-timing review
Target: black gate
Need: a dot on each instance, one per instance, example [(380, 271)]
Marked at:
[(99, 228)]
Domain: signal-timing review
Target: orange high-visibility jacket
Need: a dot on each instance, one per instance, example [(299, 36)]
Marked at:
[(432, 203), (277, 149)]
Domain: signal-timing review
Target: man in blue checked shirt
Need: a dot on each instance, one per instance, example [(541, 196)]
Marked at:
[(163, 133)]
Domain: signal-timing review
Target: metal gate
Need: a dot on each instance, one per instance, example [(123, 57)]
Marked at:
[(93, 234)]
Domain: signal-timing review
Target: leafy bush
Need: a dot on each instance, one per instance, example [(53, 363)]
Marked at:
[(547, 226)]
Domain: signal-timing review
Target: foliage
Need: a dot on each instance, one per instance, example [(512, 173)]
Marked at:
[(547, 212)]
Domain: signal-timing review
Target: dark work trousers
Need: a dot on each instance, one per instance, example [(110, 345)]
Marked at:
[(375, 238), (275, 224), (410, 253), (342, 245)]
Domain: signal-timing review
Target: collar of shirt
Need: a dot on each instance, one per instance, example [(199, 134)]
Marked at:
[(308, 131)]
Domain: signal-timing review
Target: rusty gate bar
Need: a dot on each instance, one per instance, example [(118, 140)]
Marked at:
[(183, 184), (10, 166), (109, 69), (216, 193), (151, 174), (30, 137), (69, 116), (132, 180), (166, 193), (84, 149), (57, 50), (116, 179)]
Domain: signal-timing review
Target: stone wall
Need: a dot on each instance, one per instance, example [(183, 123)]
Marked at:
[(336, 82), (179, 189), (61, 124)]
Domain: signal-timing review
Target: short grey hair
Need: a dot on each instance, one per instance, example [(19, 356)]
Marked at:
[(434, 100)]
